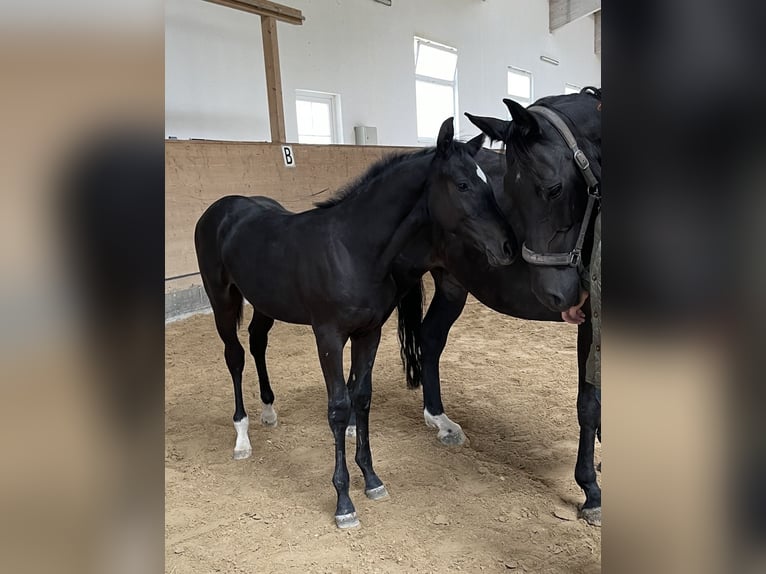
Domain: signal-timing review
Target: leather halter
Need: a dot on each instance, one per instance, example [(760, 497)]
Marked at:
[(572, 258)]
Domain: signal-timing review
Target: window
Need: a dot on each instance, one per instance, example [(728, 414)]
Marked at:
[(318, 116), (571, 89), (520, 85), (435, 87)]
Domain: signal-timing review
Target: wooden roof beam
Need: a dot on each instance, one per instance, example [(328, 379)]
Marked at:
[(597, 33), (562, 12), (265, 8)]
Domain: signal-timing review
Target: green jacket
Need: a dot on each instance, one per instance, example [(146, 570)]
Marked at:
[(591, 280)]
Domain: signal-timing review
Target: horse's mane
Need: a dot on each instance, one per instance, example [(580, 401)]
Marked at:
[(363, 182)]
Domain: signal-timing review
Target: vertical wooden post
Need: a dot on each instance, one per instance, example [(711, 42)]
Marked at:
[(273, 78)]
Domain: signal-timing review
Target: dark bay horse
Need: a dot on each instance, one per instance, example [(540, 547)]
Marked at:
[(543, 194), (331, 268)]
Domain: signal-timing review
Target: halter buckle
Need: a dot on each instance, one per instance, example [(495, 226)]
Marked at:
[(581, 160), (575, 258)]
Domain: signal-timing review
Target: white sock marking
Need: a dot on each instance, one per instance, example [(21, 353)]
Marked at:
[(242, 446)]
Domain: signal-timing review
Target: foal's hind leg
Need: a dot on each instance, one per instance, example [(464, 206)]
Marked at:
[(259, 339), (226, 319), (363, 350)]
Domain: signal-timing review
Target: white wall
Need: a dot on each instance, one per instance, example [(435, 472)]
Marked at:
[(215, 84)]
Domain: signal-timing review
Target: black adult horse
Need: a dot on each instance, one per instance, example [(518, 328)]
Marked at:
[(331, 268), (545, 197)]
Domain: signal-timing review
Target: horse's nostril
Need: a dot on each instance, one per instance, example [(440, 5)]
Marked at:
[(507, 249)]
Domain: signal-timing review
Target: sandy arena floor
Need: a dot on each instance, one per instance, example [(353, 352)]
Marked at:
[(485, 507)]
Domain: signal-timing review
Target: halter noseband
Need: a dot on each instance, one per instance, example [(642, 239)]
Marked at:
[(574, 257)]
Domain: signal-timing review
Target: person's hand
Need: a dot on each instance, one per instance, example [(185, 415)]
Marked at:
[(575, 315)]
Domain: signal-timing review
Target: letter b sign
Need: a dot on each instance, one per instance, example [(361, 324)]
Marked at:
[(287, 155)]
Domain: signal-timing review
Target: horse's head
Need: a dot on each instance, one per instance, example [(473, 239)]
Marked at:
[(460, 199), (548, 191)]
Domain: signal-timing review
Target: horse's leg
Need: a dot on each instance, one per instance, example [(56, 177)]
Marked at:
[(446, 306), (589, 417), (259, 339), (227, 310), (363, 350), (330, 347)]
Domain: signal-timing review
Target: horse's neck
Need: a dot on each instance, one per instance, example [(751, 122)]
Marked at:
[(406, 230), (394, 209)]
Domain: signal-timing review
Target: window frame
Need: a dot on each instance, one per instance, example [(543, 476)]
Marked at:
[(336, 123), (419, 40), (521, 72), (574, 87)]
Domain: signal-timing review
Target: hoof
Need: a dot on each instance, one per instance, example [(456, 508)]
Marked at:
[(268, 416), (242, 454), (268, 422), (351, 431), (377, 493), (345, 521), (450, 433), (591, 515), (451, 438)]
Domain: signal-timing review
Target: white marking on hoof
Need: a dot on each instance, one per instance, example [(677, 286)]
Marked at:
[(345, 521), (242, 448), (450, 433), (268, 415), (351, 431), (377, 493)]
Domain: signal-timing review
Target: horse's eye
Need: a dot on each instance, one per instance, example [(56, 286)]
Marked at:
[(462, 186), (554, 191)]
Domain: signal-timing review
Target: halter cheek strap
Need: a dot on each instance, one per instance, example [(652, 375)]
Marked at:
[(574, 257), (578, 155)]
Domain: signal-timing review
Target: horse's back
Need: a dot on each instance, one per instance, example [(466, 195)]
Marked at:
[(239, 206), (226, 213)]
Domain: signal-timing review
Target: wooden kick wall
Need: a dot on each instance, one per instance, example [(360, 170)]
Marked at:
[(199, 172)]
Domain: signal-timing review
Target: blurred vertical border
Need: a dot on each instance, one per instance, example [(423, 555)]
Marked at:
[(684, 167), (81, 299)]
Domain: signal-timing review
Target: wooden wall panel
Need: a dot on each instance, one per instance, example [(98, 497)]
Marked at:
[(198, 173)]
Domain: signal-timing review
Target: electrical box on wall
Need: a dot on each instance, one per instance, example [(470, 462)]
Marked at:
[(365, 135)]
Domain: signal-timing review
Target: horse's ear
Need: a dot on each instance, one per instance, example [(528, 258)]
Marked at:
[(496, 129), (446, 135), (523, 118), (474, 145)]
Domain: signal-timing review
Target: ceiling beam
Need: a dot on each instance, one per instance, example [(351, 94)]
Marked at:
[(597, 32), (264, 8), (562, 12)]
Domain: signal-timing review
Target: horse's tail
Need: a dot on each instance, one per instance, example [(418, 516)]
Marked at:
[(410, 310)]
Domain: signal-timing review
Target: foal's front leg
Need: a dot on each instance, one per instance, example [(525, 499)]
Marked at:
[(363, 351), (330, 347)]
